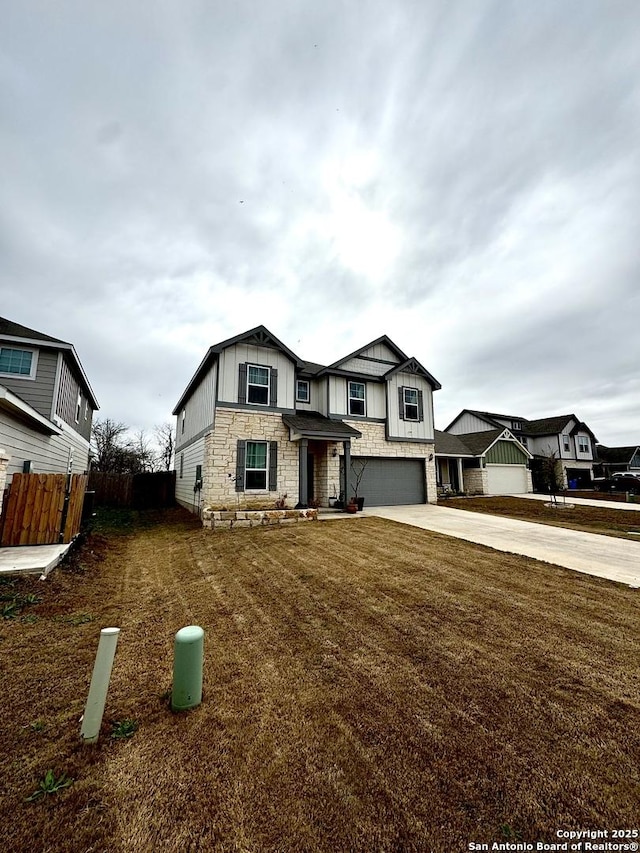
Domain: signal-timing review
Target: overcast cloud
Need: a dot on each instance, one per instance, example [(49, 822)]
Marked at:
[(461, 176)]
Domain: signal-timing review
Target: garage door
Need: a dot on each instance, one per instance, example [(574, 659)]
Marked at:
[(506, 479), (388, 482)]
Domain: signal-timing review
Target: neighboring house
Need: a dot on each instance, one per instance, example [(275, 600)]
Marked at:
[(611, 460), (46, 404), (256, 422), (567, 436), (488, 462)]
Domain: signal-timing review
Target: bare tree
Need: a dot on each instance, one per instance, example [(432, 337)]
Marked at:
[(147, 459), (165, 440), (110, 444), (552, 473)]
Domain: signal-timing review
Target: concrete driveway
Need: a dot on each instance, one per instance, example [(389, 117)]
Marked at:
[(603, 556)]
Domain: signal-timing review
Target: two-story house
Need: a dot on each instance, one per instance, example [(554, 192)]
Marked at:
[(256, 422), (569, 438), (46, 404)]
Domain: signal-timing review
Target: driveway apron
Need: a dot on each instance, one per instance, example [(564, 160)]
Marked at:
[(590, 553)]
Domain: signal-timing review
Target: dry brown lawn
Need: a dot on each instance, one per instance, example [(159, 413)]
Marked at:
[(367, 687), (591, 519)]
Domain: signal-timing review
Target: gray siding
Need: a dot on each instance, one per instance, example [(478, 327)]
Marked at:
[(469, 423), (48, 453), (67, 401), (193, 456), (376, 404), (37, 392), (231, 358), (199, 409), (399, 428)]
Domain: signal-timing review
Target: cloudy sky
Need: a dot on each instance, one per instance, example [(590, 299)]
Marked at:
[(461, 176)]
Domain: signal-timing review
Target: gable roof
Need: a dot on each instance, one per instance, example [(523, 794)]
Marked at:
[(616, 454), (16, 330), (17, 333), (448, 444), (383, 339), (473, 443), (535, 427), (412, 365), (260, 336)]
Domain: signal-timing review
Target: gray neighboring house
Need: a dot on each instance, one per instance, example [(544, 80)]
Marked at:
[(613, 460), (566, 435), (487, 462), (46, 405), (257, 422)]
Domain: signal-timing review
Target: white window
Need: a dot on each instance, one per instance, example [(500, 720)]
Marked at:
[(18, 362), (183, 419), (356, 398), (411, 409), (255, 467), (523, 440), (78, 406), (583, 444), (86, 409), (258, 385), (302, 391), (566, 443), (516, 424)]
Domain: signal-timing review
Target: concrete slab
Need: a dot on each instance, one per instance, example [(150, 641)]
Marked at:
[(590, 553), (31, 559), (581, 501)]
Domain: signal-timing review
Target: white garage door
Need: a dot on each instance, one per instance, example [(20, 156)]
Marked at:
[(506, 479)]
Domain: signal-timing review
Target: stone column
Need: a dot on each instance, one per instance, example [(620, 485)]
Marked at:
[(347, 468), (4, 464), (303, 484)]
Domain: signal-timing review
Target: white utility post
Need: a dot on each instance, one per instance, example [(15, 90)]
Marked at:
[(94, 709)]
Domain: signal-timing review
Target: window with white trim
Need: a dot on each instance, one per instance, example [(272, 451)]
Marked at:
[(86, 409), (78, 406), (255, 466), (516, 425), (183, 419), (357, 399), (18, 362), (583, 444), (410, 401), (566, 444), (302, 391), (258, 384)]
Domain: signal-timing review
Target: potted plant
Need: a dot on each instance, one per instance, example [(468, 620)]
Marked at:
[(351, 507), (333, 497), (358, 467)]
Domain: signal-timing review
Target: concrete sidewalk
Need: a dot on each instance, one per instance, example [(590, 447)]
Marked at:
[(580, 501), (590, 553)]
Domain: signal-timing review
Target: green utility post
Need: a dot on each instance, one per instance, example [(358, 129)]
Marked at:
[(187, 668)]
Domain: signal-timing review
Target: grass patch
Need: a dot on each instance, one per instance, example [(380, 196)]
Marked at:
[(367, 686), (589, 519)]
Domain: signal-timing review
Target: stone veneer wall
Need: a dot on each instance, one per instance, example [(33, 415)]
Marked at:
[(374, 443), (256, 518), (220, 453), (573, 463), (4, 464), (475, 480)]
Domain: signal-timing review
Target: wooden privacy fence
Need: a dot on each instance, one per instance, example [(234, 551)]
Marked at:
[(142, 491), (42, 509)]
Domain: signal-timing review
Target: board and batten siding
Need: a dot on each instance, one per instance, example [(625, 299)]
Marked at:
[(399, 428), (37, 392), (192, 456), (233, 356), (67, 400), (505, 453), (315, 400), (376, 404), (49, 454), (469, 423), (199, 409)]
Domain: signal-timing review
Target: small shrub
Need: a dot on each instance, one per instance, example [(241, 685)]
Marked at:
[(50, 785), (122, 729), (75, 619)]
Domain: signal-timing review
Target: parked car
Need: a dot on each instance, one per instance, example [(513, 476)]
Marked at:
[(623, 482)]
